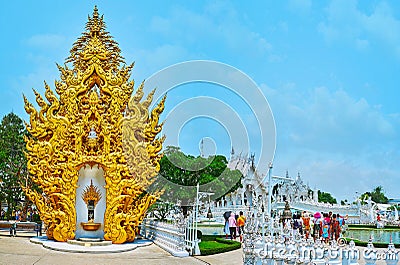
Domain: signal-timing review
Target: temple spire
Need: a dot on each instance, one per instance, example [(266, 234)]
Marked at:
[(94, 23), (95, 44), (95, 12)]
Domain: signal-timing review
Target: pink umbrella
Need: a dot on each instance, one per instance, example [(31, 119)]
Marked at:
[(317, 215)]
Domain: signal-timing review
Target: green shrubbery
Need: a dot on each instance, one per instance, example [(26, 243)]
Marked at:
[(210, 245), (372, 226), (376, 244)]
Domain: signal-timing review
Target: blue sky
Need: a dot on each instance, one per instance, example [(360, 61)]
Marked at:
[(329, 70)]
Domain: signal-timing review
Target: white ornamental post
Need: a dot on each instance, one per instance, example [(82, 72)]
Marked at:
[(391, 254), (370, 253)]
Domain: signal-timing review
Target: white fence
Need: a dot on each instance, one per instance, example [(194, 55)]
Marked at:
[(269, 241), (278, 251), (178, 238)]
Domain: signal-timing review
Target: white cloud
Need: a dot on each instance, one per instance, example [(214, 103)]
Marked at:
[(330, 121), (347, 23), (300, 6), (216, 24), (337, 142), (46, 41)]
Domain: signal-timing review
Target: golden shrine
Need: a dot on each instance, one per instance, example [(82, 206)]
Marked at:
[(93, 149)]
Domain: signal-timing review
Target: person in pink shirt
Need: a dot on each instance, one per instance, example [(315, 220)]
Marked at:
[(232, 225)]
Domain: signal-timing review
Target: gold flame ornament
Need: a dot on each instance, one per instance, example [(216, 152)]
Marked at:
[(94, 120), (91, 193)]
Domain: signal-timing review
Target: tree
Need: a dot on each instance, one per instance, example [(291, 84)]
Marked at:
[(180, 173), (394, 207), (326, 197), (378, 196), (364, 197), (12, 160), (160, 210)]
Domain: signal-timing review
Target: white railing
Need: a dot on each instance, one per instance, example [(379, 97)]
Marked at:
[(168, 236), (270, 250), (191, 240), (266, 240), (178, 237)]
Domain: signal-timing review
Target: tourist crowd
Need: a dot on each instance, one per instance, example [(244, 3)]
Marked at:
[(21, 215), (234, 225), (325, 226)]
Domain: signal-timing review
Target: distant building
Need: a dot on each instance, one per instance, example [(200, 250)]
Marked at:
[(255, 185)]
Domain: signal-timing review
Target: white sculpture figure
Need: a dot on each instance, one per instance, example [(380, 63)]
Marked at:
[(353, 254), (268, 249), (334, 253), (280, 251), (319, 253), (305, 254), (292, 253), (391, 254), (370, 253), (92, 134), (371, 215)]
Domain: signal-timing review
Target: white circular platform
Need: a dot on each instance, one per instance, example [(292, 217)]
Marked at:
[(89, 248)]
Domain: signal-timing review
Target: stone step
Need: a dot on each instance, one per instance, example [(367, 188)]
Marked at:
[(89, 242)]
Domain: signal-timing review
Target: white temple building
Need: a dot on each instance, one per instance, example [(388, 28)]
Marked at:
[(256, 184), (292, 189)]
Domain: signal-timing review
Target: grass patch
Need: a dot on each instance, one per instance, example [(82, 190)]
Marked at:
[(209, 237), (376, 244), (211, 245), (373, 226), (210, 225)]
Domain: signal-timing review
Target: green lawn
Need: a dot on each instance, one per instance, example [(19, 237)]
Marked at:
[(210, 245), (364, 244), (209, 225)]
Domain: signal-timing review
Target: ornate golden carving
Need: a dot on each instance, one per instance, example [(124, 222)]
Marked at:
[(91, 193), (94, 121)]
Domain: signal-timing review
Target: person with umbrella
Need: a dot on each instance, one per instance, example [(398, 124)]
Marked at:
[(226, 227)]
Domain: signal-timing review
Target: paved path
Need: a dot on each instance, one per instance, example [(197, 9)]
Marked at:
[(19, 251)]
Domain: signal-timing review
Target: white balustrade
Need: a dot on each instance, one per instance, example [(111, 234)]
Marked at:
[(168, 236), (391, 255), (276, 248)]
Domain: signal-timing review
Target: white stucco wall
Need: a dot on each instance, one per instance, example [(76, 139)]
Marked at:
[(86, 174)]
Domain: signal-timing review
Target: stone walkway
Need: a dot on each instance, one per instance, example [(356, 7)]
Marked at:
[(19, 251)]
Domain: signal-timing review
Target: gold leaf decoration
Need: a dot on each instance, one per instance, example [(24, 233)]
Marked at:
[(94, 120), (91, 193)]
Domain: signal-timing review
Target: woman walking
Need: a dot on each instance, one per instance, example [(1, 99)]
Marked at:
[(232, 225)]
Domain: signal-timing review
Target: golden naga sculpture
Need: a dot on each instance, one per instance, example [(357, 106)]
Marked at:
[(94, 120)]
